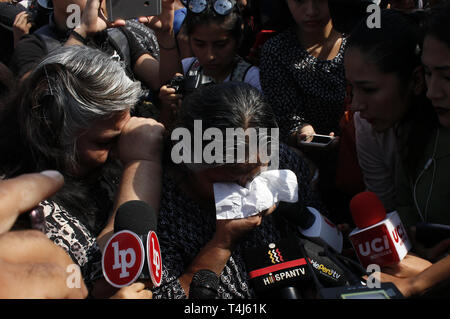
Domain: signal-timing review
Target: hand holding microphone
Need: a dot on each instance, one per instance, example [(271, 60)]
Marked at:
[(379, 238), (133, 252)]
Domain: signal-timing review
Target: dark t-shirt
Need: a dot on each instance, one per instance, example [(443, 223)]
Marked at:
[(31, 49)]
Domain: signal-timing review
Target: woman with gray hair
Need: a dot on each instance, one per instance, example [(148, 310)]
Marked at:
[(190, 235), (72, 111)]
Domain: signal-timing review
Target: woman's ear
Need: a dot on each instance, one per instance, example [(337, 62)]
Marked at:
[(418, 80)]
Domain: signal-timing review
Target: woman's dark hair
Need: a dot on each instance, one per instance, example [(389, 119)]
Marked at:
[(437, 22), (232, 22), (282, 18), (228, 105), (395, 48)]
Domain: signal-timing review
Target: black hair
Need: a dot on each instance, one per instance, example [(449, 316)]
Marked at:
[(395, 48), (282, 18), (224, 106), (437, 22), (232, 22)]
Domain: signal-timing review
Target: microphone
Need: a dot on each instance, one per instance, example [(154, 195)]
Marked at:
[(204, 285), (133, 252), (276, 268), (378, 238), (312, 224)]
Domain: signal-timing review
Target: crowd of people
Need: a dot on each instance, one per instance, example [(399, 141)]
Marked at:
[(87, 116)]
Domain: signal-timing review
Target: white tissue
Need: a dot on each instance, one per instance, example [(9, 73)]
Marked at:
[(268, 188)]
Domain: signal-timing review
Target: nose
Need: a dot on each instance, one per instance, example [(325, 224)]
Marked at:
[(434, 88), (357, 104), (211, 55), (311, 8)]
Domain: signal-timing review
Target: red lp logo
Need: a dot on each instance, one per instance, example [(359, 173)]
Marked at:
[(123, 259), (154, 259)]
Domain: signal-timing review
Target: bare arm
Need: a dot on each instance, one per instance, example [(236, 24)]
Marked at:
[(169, 63), (140, 149)]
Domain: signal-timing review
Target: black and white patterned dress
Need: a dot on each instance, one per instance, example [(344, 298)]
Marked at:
[(184, 229), (301, 88), (77, 234)]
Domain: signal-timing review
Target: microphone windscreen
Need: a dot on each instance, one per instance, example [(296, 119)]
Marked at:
[(367, 209), (136, 216), (204, 285)]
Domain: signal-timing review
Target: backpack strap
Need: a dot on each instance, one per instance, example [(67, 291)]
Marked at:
[(240, 71), (119, 41), (48, 36)]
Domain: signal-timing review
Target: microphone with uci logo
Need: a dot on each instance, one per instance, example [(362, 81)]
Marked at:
[(379, 238), (133, 251)]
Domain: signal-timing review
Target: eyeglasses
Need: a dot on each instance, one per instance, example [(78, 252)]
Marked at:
[(222, 7)]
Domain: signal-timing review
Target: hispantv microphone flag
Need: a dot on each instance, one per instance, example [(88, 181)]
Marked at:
[(278, 265), (274, 266)]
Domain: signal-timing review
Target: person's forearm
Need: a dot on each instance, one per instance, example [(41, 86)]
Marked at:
[(146, 69), (169, 62), (141, 180), (433, 275)]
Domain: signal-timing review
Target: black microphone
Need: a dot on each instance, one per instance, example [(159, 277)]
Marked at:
[(274, 270), (137, 216), (133, 252), (204, 285)]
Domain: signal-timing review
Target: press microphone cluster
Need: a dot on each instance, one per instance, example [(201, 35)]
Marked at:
[(379, 238), (133, 252), (312, 224)]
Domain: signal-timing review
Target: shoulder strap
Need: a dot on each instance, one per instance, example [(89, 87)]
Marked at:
[(194, 68), (120, 42), (47, 35), (240, 71)]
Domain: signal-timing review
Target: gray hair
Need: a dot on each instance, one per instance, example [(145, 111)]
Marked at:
[(243, 122), (70, 89)]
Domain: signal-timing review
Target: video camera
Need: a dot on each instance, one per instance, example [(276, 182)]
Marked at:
[(187, 85)]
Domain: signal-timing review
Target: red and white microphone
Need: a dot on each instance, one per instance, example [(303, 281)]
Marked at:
[(125, 258), (379, 238)]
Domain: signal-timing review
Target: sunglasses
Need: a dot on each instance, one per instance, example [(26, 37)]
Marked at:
[(222, 7)]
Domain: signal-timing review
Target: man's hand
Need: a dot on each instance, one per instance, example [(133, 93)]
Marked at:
[(21, 194)]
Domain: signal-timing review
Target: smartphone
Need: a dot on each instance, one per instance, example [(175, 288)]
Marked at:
[(318, 140), (131, 9)]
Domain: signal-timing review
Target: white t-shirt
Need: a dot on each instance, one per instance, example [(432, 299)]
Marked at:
[(379, 159), (252, 76)]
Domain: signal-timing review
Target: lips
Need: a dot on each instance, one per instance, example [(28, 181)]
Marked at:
[(441, 110), (211, 66), (312, 22)]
